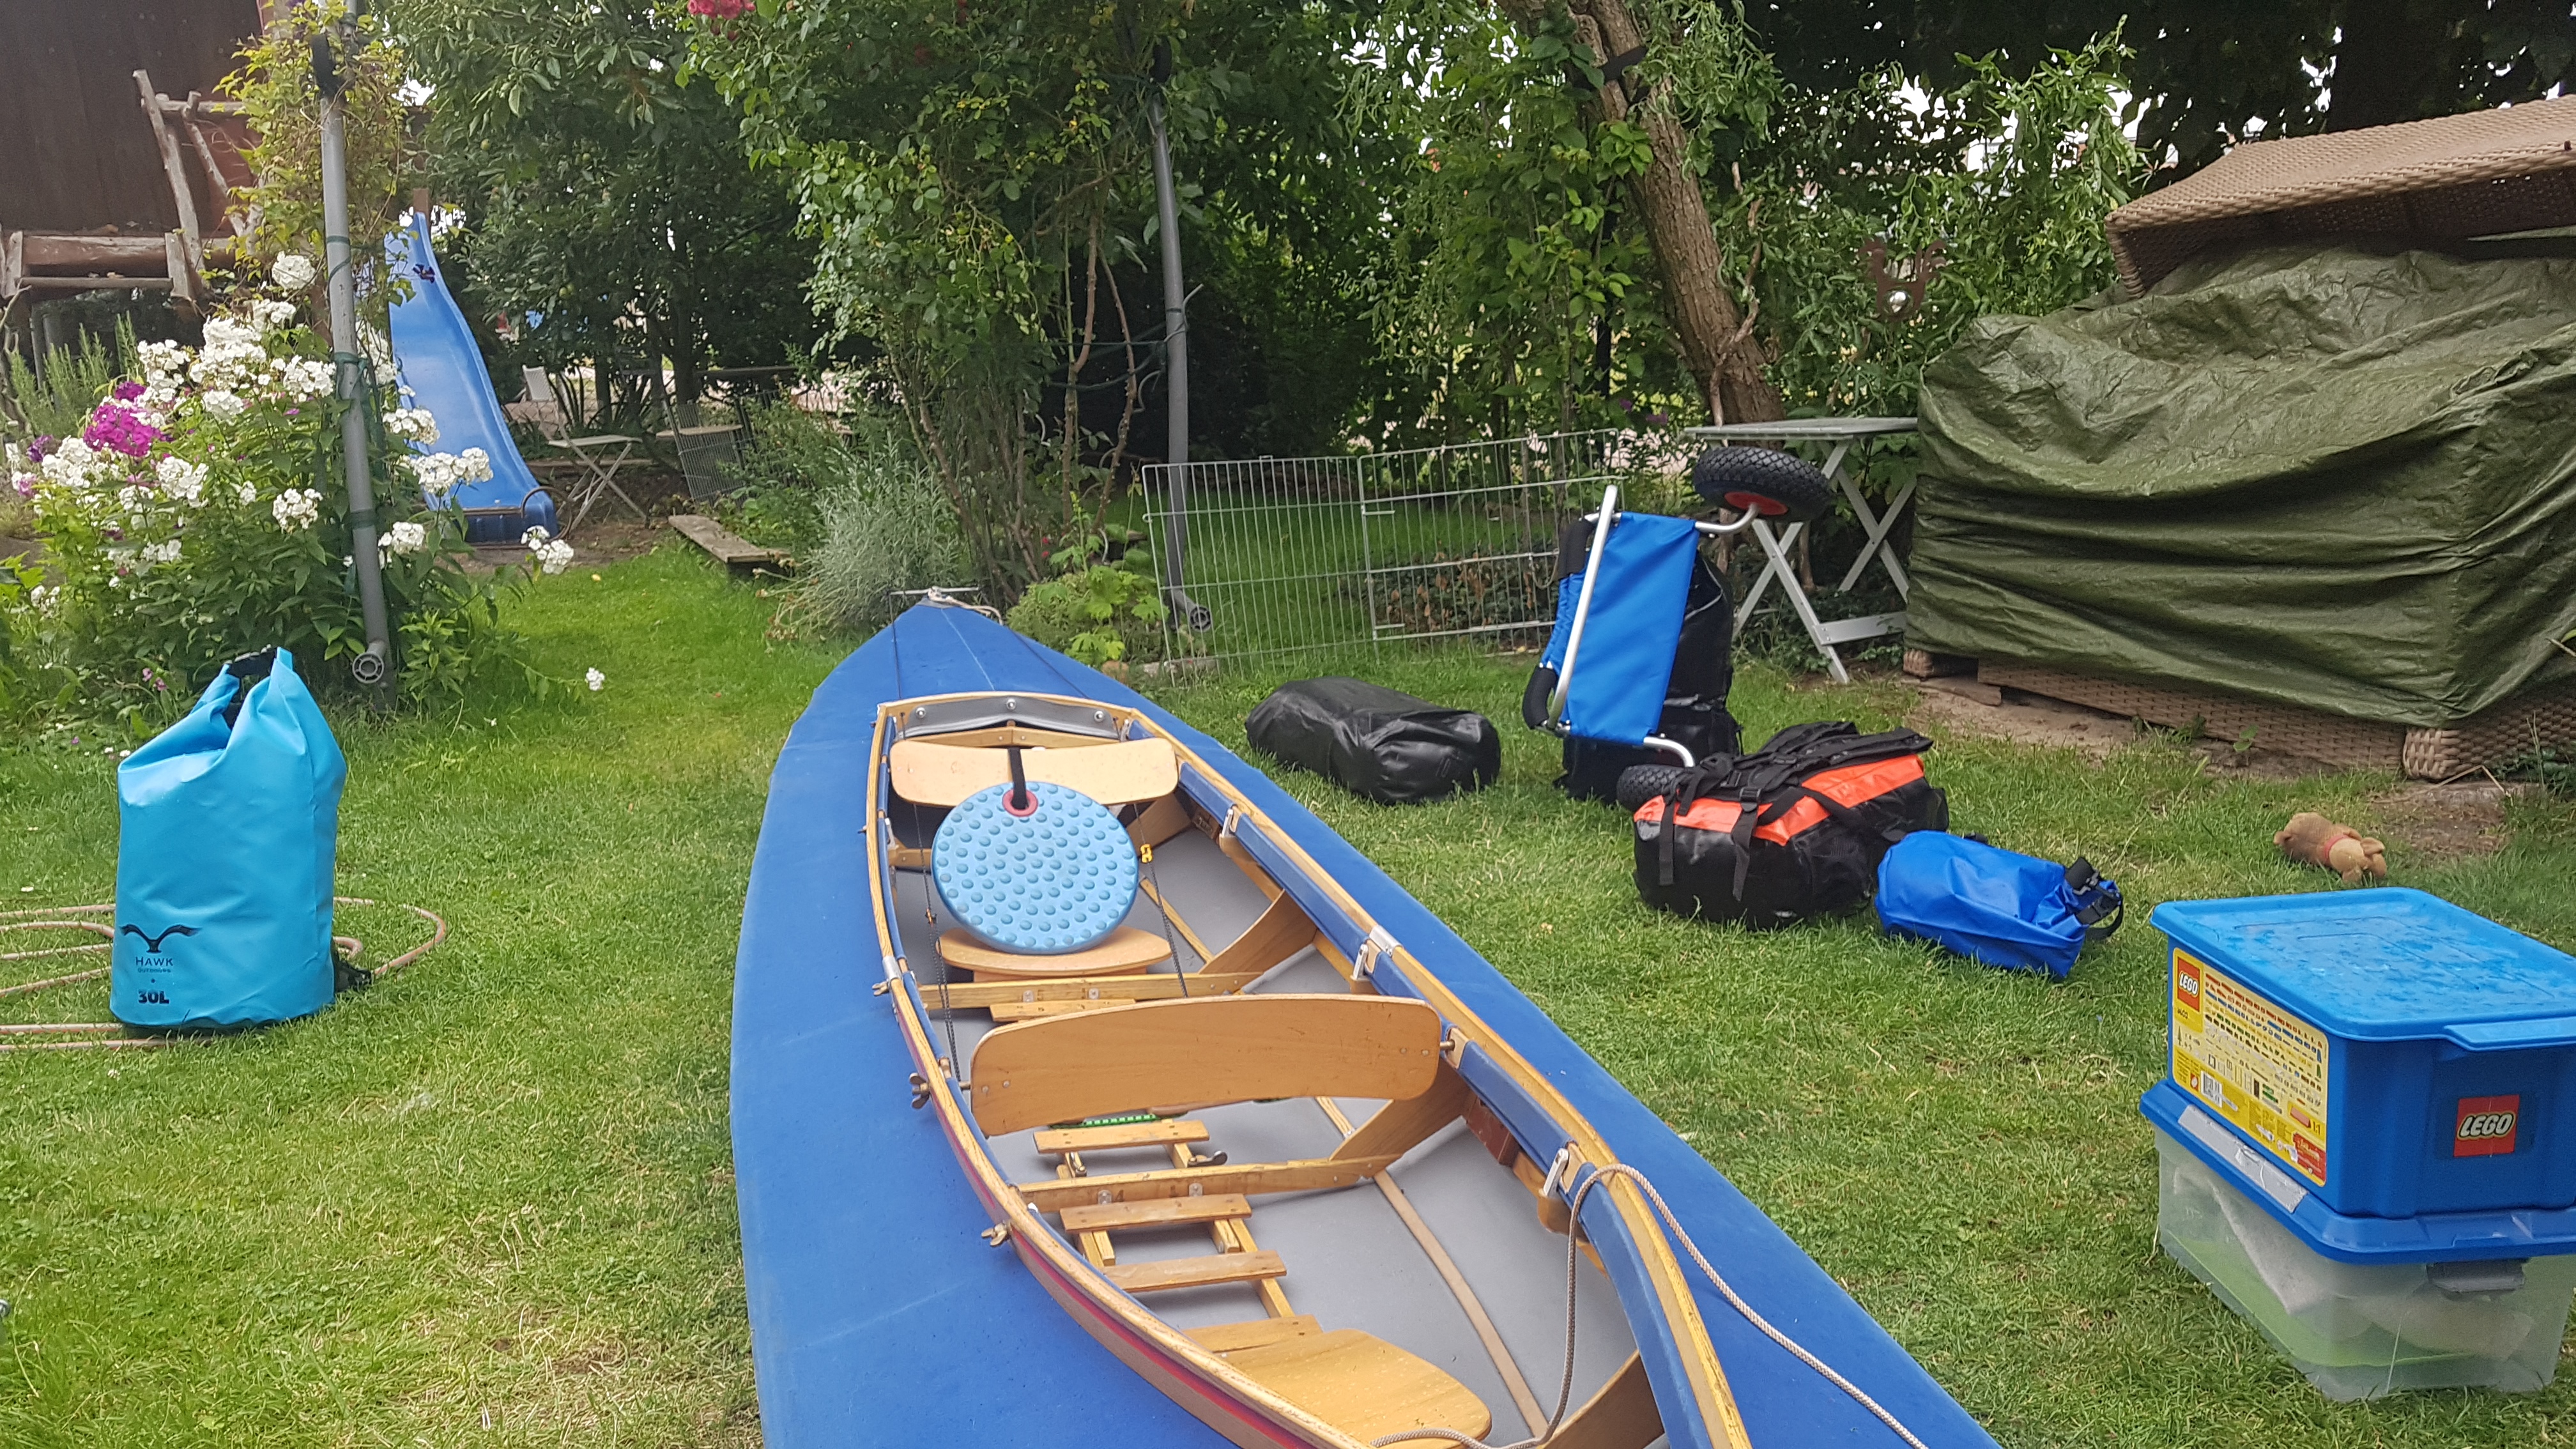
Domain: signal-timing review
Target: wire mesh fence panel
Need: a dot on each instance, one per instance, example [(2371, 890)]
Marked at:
[(1290, 554)]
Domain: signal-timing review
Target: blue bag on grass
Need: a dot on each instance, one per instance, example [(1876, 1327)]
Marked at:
[(1996, 906), (230, 829)]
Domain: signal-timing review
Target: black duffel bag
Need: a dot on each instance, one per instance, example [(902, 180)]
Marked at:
[(1378, 743), (1792, 831)]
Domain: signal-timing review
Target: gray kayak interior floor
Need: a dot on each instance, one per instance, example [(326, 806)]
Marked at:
[(1352, 1262)]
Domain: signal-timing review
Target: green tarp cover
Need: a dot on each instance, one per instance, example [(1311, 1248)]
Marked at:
[(2336, 476)]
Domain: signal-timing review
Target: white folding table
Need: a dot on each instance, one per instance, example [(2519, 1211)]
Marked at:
[(1837, 435)]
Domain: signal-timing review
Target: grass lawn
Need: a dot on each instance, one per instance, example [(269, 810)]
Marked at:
[(498, 1185)]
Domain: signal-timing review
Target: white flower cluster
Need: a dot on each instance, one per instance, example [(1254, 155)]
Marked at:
[(1659, 454), (297, 508), (233, 361), (291, 273), (302, 379), (44, 597), (405, 538), (165, 371), (268, 316), (166, 551), (413, 425), (596, 680), (246, 491), (440, 472), (546, 551), (22, 474), (182, 479), (76, 466)]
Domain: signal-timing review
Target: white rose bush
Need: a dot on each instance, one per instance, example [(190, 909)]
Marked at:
[(200, 513)]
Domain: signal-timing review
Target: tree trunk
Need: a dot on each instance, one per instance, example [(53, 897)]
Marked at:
[(1717, 341)]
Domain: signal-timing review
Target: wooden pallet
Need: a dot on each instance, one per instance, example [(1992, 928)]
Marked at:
[(2484, 741), (723, 544)]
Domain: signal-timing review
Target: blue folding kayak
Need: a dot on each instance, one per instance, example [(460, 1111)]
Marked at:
[(1275, 1160)]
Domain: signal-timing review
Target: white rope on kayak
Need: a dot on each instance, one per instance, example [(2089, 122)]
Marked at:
[(1565, 1390), (42, 919)]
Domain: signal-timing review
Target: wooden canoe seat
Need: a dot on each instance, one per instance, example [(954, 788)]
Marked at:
[(1127, 951), (1165, 1212), (1205, 1050), (1125, 773), (1362, 1385), (1132, 1134), (1207, 1270)]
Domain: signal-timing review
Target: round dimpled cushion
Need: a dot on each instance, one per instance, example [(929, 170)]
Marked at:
[(1058, 880)]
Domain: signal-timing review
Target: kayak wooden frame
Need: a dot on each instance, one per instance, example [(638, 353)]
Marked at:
[(1219, 1394)]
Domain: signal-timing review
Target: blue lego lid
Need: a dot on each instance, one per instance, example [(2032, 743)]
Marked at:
[(2386, 965)]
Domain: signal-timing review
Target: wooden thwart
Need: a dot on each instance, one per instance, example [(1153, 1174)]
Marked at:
[(1209, 1050), (1363, 1385), (1200, 1272), (1126, 950), (1132, 1134), (1307, 1175), (1161, 1213), (725, 546), (1124, 773), (1092, 990), (1228, 1337), (1009, 1011)]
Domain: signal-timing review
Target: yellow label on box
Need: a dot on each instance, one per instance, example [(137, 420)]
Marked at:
[(2252, 1063)]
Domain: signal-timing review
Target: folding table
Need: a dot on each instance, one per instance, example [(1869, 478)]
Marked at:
[(1838, 434)]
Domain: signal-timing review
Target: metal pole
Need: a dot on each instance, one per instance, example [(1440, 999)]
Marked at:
[(1176, 351), (371, 667)]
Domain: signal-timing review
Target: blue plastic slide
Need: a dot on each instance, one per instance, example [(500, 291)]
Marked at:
[(443, 371)]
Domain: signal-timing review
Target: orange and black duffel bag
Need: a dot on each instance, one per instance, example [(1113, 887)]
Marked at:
[(1791, 831)]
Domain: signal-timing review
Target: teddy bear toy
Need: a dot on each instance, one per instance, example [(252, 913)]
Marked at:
[(2312, 839)]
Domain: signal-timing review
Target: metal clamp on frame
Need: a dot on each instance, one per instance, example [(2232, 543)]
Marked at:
[(1379, 944)]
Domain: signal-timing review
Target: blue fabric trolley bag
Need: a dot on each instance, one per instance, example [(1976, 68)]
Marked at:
[(231, 825), (1996, 906)]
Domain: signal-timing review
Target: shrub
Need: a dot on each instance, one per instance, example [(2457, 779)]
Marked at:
[(198, 513), (1104, 613), (881, 522)]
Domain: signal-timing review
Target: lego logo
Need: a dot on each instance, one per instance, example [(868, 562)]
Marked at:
[(2485, 1126)]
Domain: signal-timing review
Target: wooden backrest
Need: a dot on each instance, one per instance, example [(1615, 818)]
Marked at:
[(1202, 1052), (929, 773)]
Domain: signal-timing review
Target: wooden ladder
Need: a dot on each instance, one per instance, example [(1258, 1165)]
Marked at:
[(1237, 1259)]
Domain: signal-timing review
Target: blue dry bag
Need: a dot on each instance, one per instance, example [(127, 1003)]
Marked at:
[(231, 822), (1995, 906)]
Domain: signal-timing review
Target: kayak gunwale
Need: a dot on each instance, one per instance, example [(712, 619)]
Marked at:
[(1673, 1340)]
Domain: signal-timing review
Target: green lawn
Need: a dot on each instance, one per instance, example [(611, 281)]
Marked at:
[(498, 1185)]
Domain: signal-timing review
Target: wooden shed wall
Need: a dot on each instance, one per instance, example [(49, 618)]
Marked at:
[(76, 151)]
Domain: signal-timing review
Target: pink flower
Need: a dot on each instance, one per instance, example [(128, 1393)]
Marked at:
[(128, 391), (719, 9), (119, 431)]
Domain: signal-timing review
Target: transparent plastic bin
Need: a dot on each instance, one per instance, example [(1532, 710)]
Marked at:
[(2356, 1331)]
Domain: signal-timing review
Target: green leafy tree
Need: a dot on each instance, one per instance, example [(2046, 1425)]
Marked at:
[(2208, 71), (967, 174), (604, 193)]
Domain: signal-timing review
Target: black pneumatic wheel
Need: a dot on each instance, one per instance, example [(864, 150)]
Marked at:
[(1641, 783), (1777, 485)]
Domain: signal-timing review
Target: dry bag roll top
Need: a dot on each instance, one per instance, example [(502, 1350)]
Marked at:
[(230, 825), (1791, 831), (2006, 909)]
